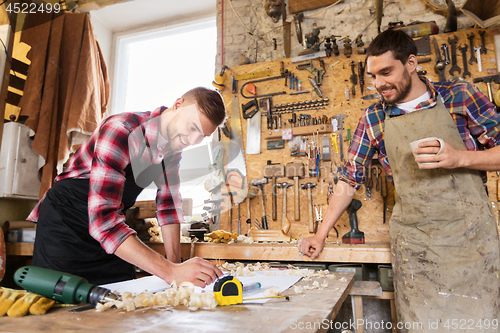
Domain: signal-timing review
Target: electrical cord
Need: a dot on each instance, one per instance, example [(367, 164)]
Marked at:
[(8, 57)]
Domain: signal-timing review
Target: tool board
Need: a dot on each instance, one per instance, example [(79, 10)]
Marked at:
[(335, 80)]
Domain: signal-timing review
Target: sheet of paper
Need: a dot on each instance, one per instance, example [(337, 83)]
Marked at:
[(279, 280), (137, 286)]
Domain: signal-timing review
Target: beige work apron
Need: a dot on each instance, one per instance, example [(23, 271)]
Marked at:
[(444, 237)]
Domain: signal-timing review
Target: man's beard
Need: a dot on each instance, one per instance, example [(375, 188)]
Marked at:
[(402, 93)]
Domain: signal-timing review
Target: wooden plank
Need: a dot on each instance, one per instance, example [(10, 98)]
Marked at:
[(367, 253), (394, 316), (147, 209), (362, 253), (385, 295), (366, 288), (484, 9), (313, 306), (357, 307), (19, 248), (296, 6), (287, 36)]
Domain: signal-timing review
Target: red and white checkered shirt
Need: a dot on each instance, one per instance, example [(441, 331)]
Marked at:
[(120, 140)]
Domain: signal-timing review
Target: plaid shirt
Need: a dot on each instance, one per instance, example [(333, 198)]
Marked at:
[(103, 158), (476, 118)]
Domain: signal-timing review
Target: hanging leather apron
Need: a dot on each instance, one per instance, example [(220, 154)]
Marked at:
[(444, 237)]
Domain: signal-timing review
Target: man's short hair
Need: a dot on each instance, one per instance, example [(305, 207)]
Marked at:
[(397, 41), (209, 102)]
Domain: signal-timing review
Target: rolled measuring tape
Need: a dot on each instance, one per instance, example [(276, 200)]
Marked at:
[(228, 290)]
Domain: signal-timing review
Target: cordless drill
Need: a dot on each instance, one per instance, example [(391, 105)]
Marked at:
[(354, 236), (60, 286)]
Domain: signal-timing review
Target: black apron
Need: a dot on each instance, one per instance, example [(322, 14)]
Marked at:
[(63, 241)]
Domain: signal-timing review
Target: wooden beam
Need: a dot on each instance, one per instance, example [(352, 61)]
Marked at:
[(367, 253), (297, 6)]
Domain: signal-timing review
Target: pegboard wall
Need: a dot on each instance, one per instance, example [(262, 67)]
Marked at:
[(335, 80)]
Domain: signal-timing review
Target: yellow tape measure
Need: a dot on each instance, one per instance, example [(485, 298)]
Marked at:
[(228, 290)]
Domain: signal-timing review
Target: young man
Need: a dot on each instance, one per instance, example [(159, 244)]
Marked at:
[(81, 220), (444, 237)]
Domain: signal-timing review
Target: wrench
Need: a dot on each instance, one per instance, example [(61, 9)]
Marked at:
[(446, 53), (464, 49), (483, 42), (454, 67), (440, 64), (471, 43), (478, 53)]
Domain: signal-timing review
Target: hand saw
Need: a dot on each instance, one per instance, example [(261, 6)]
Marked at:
[(236, 157)]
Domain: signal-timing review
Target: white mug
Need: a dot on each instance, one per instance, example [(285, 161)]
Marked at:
[(414, 145)]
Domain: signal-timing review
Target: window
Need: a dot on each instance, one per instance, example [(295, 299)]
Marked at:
[(154, 68)]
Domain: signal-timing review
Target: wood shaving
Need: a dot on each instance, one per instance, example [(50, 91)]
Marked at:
[(155, 232), (185, 239), (172, 297), (272, 292), (240, 269)]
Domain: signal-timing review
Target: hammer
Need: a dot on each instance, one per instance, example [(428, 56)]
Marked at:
[(488, 79), (308, 187), (274, 170), (259, 183), (230, 210), (285, 223), (295, 170)]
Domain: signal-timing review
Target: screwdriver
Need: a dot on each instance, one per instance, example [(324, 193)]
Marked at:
[(247, 288)]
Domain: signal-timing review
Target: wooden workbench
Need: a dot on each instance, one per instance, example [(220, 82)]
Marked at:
[(379, 253), (299, 314)]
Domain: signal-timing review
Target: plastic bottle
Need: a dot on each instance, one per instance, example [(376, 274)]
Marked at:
[(420, 29)]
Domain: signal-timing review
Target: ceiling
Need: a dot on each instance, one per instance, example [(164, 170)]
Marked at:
[(125, 15)]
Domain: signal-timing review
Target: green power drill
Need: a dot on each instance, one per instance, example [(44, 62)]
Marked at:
[(60, 286)]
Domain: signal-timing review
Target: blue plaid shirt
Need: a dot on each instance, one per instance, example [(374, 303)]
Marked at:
[(475, 115)]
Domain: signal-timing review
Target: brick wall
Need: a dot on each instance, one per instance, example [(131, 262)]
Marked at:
[(249, 31)]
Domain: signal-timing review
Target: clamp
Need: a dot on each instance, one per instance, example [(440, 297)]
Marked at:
[(247, 106), (318, 73)]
